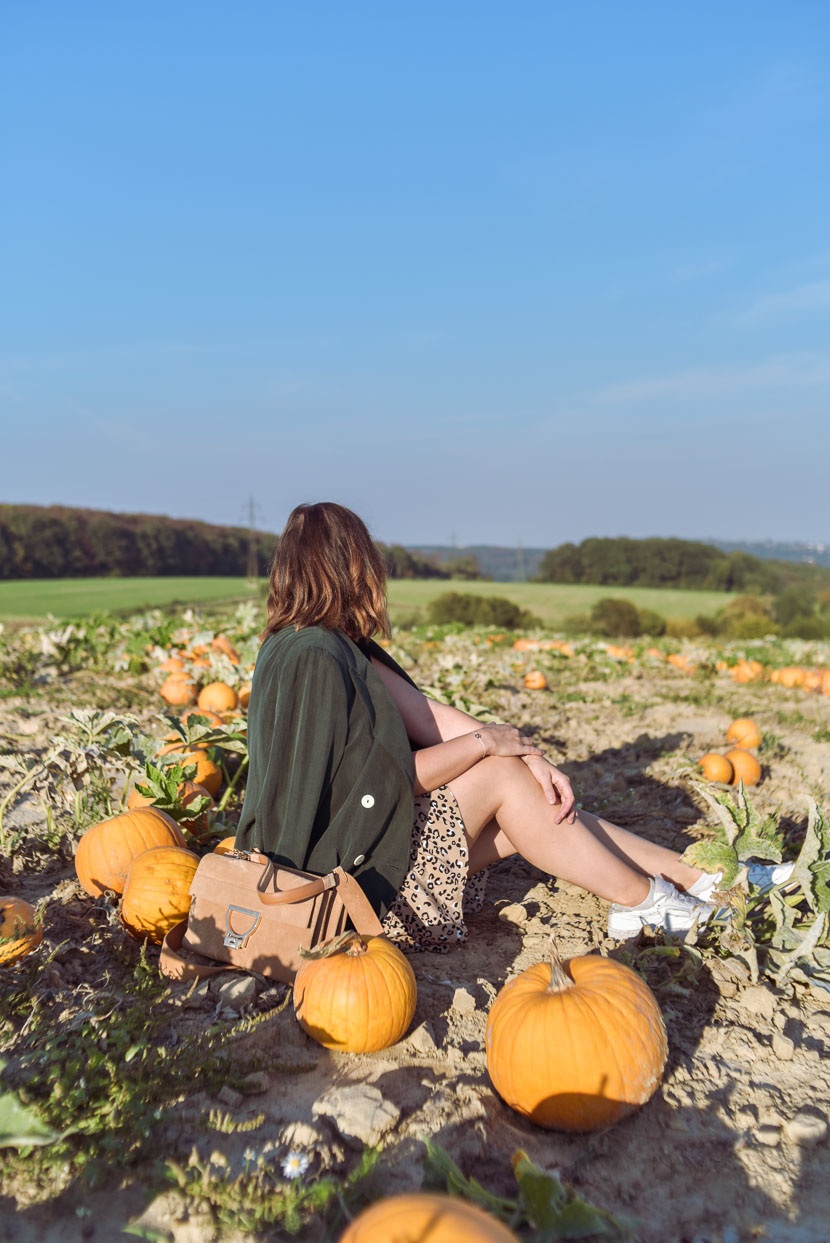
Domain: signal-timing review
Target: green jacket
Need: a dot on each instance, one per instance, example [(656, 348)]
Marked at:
[(331, 772)]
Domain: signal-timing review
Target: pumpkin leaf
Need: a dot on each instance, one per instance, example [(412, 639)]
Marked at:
[(811, 867), (785, 937), (441, 1171), (559, 1212), (713, 856), (21, 1127), (804, 950)]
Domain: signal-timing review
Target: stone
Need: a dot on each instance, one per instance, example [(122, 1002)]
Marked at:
[(783, 1047), (198, 998), (237, 992), (359, 1112), (255, 1083), (227, 1096), (758, 1000), (514, 913), (422, 1040), (769, 1136), (301, 1135), (806, 1129), (463, 1001)]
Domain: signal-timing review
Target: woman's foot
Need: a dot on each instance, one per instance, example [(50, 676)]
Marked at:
[(762, 876), (664, 907)]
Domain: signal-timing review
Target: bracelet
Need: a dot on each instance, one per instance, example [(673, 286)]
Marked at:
[(477, 735)]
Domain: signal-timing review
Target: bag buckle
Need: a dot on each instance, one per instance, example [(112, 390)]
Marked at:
[(238, 940)]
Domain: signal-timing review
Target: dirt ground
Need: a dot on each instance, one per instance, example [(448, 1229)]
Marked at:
[(714, 1157)]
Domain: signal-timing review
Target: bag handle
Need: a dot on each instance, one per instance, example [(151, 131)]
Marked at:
[(287, 897), (358, 907)]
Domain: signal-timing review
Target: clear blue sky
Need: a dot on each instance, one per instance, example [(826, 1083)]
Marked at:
[(507, 270)]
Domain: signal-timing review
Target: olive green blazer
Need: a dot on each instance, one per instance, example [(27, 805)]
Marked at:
[(331, 773)]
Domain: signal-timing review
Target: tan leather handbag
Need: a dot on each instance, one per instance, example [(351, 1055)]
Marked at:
[(250, 914)]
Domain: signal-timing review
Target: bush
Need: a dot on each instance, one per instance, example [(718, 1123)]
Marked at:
[(683, 628), (746, 618), (651, 622), (614, 617), (472, 610)]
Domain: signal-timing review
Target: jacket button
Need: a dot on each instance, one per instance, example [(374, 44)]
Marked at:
[(358, 861), (368, 800)]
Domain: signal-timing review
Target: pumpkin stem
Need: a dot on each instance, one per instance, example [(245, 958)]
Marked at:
[(560, 981), (351, 941)]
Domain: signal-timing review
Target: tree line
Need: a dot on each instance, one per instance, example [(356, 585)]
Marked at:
[(56, 541)]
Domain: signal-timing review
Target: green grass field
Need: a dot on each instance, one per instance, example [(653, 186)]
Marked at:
[(553, 602), (33, 599)]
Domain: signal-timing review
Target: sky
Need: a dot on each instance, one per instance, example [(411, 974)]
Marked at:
[(486, 272)]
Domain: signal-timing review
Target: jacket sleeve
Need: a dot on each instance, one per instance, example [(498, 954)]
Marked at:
[(310, 730)]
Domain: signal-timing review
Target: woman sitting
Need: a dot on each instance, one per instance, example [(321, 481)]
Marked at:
[(352, 765)]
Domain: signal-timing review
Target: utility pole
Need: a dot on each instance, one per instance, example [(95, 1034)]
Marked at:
[(252, 567), (521, 572)]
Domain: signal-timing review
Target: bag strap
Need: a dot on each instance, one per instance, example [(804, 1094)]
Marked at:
[(359, 908), (287, 897), (176, 966)]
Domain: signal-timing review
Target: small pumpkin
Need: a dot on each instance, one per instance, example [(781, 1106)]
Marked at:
[(178, 689), (577, 1045), (355, 994), (744, 733), (716, 767), (223, 644), (424, 1217), (157, 892), (19, 931), (244, 694), (173, 664), (536, 680), (208, 774), (213, 718), (106, 850), (746, 767), (226, 847), (217, 697)]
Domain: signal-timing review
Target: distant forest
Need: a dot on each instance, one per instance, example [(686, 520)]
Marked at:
[(627, 562), (57, 541)]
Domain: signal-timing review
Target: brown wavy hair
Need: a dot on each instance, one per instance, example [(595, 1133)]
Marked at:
[(327, 572)]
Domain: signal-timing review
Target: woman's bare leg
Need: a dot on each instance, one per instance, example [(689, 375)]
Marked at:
[(500, 836), (501, 796)]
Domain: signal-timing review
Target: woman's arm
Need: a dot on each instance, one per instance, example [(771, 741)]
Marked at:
[(449, 747)]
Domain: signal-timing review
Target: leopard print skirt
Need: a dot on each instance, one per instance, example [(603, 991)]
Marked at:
[(437, 891)]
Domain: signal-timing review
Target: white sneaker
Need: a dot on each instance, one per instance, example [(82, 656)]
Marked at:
[(663, 907), (766, 876), (762, 876)]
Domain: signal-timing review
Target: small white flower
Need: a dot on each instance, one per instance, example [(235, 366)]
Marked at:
[(295, 1164), (249, 1155)]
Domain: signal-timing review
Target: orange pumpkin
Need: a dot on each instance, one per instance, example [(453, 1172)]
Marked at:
[(423, 1217), (536, 680), (245, 695), (744, 733), (223, 644), (746, 767), (208, 774), (217, 697), (157, 892), (106, 851), (812, 680), (19, 931), (213, 718), (716, 767), (188, 791), (178, 689), (226, 847), (173, 664), (791, 676), (575, 1046), (357, 996)]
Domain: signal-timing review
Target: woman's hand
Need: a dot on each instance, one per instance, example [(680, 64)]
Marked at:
[(506, 740), (555, 786)]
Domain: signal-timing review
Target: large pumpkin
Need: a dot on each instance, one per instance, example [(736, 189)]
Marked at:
[(745, 767), (356, 994), (19, 933), (575, 1046), (716, 767), (178, 689), (217, 697), (157, 892), (744, 733), (106, 851), (426, 1218)]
